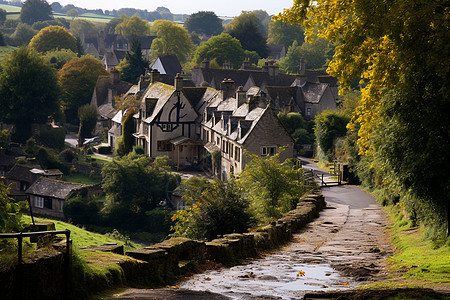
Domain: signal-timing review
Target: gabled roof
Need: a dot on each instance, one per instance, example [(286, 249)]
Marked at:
[(146, 41), (110, 59), (171, 64), (160, 91), (102, 87), (53, 188), (313, 92), (280, 97), (21, 173)]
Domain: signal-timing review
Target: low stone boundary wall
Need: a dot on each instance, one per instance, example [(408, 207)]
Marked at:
[(172, 257)]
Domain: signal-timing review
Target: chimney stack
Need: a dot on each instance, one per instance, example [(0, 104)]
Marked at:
[(241, 96), (302, 67), (115, 78), (228, 88), (154, 76), (178, 82), (205, 64)]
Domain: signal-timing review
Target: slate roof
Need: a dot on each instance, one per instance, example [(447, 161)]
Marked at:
[(171, 64), (6, 160), (280, 96), (160, 91), (275, 51), (146, 41), (313, 92), (21, 173), (52, 188), (102, 87), (110, 59)]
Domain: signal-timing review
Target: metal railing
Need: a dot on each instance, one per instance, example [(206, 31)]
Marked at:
[(22, 235)]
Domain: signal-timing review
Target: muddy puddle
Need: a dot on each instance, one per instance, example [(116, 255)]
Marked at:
[(284, 275)]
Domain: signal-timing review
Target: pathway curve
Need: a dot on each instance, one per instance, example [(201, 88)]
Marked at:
[(343, 248)]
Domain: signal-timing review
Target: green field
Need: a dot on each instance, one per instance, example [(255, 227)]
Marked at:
[(80, 178), (88, 17)]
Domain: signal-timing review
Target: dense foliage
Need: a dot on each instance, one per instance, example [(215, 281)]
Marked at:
[(220, 48), (53, 38), (10, 216), (204, 22), (246, 28), (88, 120), (34, 11), (134, 64), (78, 78), (301, 131), (285, 33), (171, 39), (329, 125), (132, 27), (215, 208), (402, 130), (29, 91)]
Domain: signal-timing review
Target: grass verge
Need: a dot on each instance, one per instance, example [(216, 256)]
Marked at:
[(417, 262)]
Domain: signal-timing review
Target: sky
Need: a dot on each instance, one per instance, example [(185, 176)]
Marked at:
[(224, 8)]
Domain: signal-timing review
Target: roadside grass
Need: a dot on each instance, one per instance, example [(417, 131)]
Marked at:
[(80, 178), (417, 262), (81, 237)]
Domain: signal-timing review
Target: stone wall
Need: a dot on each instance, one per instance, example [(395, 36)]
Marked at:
[(172, 257)]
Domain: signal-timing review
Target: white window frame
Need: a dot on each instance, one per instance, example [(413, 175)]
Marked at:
[(308, 111), (265, 150), (38, 201)]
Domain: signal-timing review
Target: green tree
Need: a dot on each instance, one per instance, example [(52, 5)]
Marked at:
[(274, 187), (58, 58), (285, 33), (23, 34), (80, 26), (125, 145), (136, 184), (73, 13), (171, 39), (29, 91), (88, 120), (35, 10), (222, 48), (111, 25), (53, 38), (134, 64), (330, 125), (132, 27), (217, 208), (264, 20), (2, 40), (77, 79), (2, 16), (10, 216), (204, 22), (386, 48), (246, 28)]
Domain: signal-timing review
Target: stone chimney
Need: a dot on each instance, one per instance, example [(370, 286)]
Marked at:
[(178, 82), (272, 69), (302, 67), (246, 64), (154, 76), (205, 64), (227, 65), (115, 78), (241, 96), (228, 89), (265, 68)]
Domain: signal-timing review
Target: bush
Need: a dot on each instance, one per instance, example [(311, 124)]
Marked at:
[(48, 160), (81, 211), (68, 155), (104, 149), (54, 138)]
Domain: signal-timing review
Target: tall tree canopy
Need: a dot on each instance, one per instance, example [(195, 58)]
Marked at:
[(78, 78), (29, 91), (246, 28), (171, 39), (35, 10), (222, 48), (133, 26), (22, 35), (53, 38), (397, 49), (204, 22), (80, 26), (285, 33), (134, 64)]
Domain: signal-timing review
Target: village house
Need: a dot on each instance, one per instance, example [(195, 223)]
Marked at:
[(239, 121)]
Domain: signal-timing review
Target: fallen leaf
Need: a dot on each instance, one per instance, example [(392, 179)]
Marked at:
[(208, 279), (315, 261), (301, 273), (265, 265), (343, 283)]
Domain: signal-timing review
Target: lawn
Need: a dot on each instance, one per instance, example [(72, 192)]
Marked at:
[(81, 237), (80, 178)]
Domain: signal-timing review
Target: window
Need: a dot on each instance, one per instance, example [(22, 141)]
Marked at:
[(48, 203), (23, 185), (268, 150), (39, 201), (181, 205), (237, 153), (231, 150), (218, 141), (308, 111), (164, 146)]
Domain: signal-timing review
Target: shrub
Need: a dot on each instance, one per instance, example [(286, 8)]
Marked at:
[(54, 138), (104, 149), (68, 155), (81, 211)]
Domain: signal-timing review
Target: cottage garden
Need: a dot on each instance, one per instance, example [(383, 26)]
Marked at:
[(146, 109)]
